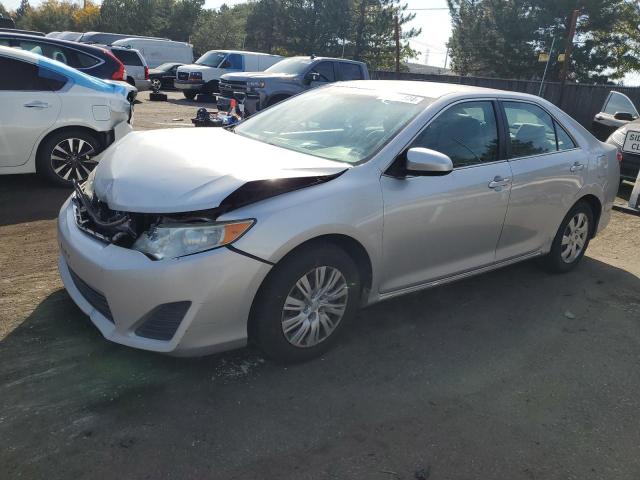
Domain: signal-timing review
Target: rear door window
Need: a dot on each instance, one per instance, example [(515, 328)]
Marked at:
[(531, 129), (349, 71), (26, 76), (68, 56)]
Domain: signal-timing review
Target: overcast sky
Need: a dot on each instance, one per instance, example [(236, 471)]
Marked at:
[(435, 25)]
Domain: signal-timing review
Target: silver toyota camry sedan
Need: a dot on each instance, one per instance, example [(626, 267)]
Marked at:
[(193, 241)]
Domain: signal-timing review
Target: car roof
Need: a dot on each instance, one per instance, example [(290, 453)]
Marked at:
[(55, 41), (333, 59), (244, 52), (433, 89)]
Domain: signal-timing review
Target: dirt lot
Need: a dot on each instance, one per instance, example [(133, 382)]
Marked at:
[(512, 375)]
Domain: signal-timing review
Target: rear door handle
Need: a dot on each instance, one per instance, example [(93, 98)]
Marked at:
[(577, 166), (37, 104), (498, 182)]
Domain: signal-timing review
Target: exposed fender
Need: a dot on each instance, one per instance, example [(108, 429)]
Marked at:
[(277, 230)]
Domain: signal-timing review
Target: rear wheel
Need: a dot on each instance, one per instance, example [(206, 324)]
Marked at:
[(306, 302), (571, 240), (156, 84), (67, 156), (189, 95)]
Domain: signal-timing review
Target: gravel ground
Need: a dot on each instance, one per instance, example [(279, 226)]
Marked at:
[(515, 374)]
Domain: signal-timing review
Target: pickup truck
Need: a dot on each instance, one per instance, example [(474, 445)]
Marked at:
[(204, 75), (285, 79)]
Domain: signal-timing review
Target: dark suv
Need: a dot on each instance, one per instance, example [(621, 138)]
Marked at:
[(286, 78), (95, 61)]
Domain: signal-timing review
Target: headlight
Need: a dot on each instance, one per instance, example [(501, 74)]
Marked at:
[(87, 186), (255, 84), (180, 239), (619, 136)]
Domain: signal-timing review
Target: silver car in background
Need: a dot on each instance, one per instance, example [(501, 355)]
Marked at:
[(193, 241)]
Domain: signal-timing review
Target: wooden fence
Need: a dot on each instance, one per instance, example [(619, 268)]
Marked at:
[(580, 101)]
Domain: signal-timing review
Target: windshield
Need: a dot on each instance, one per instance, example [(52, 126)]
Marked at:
[(293, 66), (211, 59), (340, 123)]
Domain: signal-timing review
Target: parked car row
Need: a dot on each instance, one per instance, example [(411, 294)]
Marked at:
[(55, 120)]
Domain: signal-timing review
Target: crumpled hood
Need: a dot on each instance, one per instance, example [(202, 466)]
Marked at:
[(189, 169)]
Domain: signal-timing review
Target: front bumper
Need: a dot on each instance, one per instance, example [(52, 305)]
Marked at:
[(220, 286), (188, 85)]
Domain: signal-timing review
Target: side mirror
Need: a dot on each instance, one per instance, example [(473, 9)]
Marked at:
[(311, 77), (423, 161), (624, 116)]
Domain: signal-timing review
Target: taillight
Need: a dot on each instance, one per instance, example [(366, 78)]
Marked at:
[(619, 156), (119, 74), (146, 73)]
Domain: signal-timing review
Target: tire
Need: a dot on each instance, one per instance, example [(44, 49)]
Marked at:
[(573, 234), (68, 155), (131, 81), (189, 94), (279, 304)]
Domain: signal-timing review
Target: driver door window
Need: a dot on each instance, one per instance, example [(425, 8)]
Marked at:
[(466, 132), (325, 70)]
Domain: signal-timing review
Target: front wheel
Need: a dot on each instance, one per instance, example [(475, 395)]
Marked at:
[(67, 156), (307, 300), (189, 95), (571, 240)]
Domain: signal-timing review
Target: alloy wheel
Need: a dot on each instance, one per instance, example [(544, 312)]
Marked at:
[(73, 159), (574, 237), (314, 306), (156, 85)]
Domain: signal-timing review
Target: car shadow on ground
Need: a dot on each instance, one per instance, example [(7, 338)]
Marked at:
[(28, 197), (483, 361)]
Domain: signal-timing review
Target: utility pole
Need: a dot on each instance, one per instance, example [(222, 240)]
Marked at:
[(567, 54), (446, 57), (546, 67), (397, 36)]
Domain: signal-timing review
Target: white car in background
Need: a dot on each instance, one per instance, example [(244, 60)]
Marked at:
[(157, 51), (135, 66), (55, 120)]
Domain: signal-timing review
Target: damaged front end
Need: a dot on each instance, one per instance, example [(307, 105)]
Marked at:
[(172, 235)]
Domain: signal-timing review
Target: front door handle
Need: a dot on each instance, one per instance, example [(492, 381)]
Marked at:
[(37, 104), (577, 166), (498, 182)]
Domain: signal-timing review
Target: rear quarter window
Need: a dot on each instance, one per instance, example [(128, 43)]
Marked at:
[(127, 57), (349, 71)]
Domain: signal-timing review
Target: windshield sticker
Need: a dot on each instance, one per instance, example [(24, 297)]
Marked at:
[(398, 97)]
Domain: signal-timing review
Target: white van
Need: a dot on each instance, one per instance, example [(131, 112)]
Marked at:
[(204, 75), (156, 52)]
